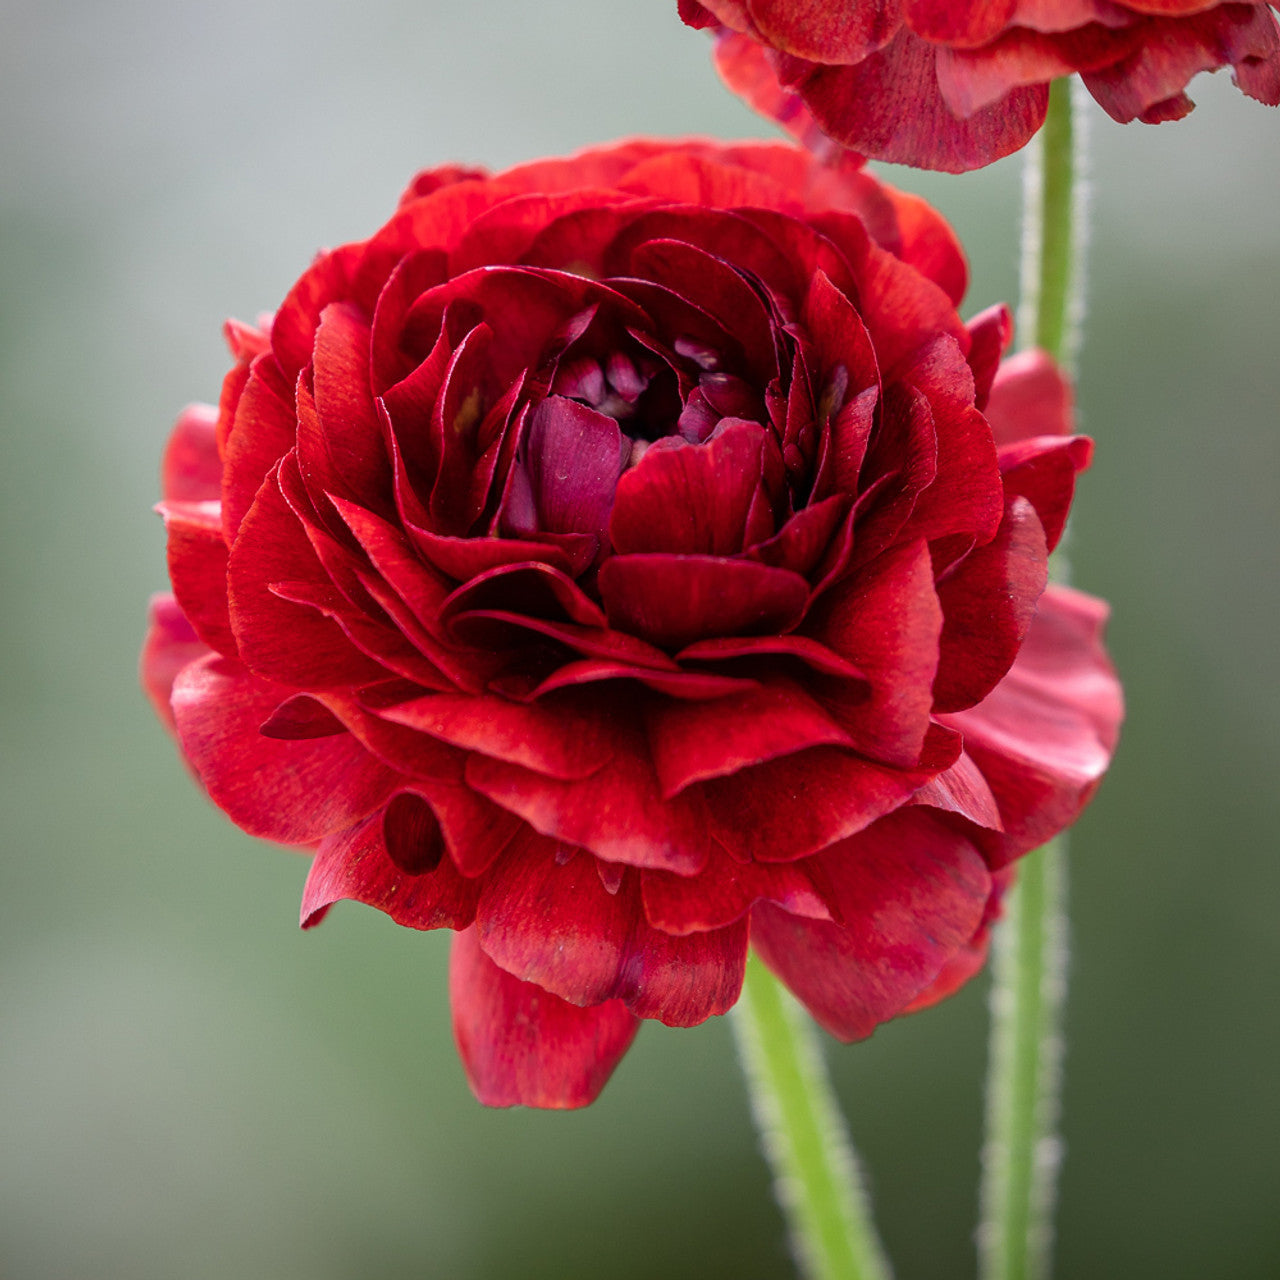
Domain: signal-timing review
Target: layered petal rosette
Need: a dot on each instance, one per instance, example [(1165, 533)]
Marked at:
[(956, 84), (611, 560)]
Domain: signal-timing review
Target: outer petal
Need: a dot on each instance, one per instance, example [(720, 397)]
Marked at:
[(910, 893), (171, 645), (890, 107), (1044, 737), (555, 923), (295, 792), (522, 1046), (354, 864), (192, 471)]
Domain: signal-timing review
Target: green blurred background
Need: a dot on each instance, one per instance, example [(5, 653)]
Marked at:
[(190, 1087)]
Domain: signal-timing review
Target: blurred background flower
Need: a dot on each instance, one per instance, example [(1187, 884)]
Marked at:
[(191, 1087)]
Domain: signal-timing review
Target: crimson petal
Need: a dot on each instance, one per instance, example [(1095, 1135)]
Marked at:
[(912, 893), (523, 1046)]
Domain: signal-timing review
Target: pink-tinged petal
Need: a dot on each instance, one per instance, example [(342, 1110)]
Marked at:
[(618, 812), (573, 456), (1044, 737), (555, 923), (990, 333), (171, 645), (1030, 397), (988, 602), (968, 961), (755, 815), (973, 79), (725, 890), (1148, 84), (291, 792), (355, 865), (1044, 472), (276, 637), (692, 742), (563, 736), (671, 601), (197, 558), (262, 432), (890, 107), (886, 620), (686, 499), (523, 1046), (910, 892), (191, 470)]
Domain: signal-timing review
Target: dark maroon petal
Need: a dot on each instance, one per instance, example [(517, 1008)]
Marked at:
[(886, 621), (197, 558), (688, 499), (618, 812), (573, 456), (725, 890), (536, 589), (522, 1046), (755, 816), (692, 742), (988, 601), (588, 944), (171, 645), (301, 716), (561, 735), (1044, 472), (355, 864), (292, 792), (191, 470), (910, 892), (674, 600), (1044, 737), (801, 543), (1030, 397)]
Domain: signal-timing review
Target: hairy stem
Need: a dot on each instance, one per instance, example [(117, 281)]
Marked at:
[(1022, 1150), (803, 1136)]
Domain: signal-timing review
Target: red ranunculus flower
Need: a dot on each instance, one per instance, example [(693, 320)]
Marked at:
[(610, 560), (956, 84)]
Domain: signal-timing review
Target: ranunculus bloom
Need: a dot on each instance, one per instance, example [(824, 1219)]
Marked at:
[(956, 84), (611, 560)]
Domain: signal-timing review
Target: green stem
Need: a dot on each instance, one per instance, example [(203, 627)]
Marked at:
[(1022, 1149), (802, 1133)]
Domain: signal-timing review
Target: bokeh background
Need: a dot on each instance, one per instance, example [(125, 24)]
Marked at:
[(190, 1087)]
